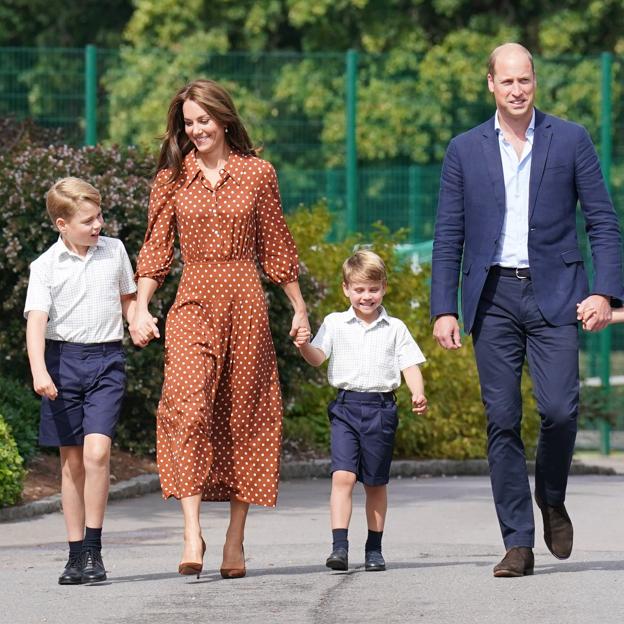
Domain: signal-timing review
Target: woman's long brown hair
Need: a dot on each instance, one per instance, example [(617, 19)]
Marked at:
[(216, 101)]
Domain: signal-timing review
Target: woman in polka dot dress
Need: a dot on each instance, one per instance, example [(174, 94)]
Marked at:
[(219, 420)]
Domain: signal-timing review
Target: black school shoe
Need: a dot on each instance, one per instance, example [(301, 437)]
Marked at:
[(72, 574), (92, 566), (374, 561), (338, 560)]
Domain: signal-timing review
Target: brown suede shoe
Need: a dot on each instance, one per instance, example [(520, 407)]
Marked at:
[(518, 561), (558, 530)]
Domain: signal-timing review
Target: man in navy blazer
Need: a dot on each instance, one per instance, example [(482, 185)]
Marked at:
[(506, 221)]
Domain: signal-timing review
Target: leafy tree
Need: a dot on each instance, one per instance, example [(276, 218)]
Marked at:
[(67, 24), (421, 73)]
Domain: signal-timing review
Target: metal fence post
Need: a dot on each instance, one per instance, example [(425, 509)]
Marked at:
[(351, 141), (90, 95), (414, 195), (606, 154)]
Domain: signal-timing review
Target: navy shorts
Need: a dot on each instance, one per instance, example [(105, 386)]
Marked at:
[(363, 425), (91, 383)]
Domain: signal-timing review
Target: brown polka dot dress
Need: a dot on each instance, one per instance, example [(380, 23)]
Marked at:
[(219, 420)]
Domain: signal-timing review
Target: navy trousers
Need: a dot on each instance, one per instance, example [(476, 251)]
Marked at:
[(509, 328)]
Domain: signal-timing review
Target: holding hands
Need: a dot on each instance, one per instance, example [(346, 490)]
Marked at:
[(143, 328), (302, 336), (594, 312)]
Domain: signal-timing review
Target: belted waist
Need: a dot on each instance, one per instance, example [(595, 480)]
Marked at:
[(83, 348), (519, 273), (365, 397)]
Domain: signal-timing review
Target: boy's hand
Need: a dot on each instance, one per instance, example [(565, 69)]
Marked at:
[(302, 337), (44, 386), (419, 403), (143, 327)]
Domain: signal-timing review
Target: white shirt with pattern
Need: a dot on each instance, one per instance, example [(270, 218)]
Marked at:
[(366, 358), (81, 295)]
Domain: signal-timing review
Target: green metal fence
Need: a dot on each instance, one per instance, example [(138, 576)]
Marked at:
[(327, 124)]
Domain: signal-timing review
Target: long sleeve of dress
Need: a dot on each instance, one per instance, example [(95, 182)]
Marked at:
[(156, 254), (275, 247)]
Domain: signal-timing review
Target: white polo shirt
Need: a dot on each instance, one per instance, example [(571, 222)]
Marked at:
[(366, 358), (81, 296)]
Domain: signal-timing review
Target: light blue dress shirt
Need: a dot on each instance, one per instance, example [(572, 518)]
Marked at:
[(512, 249)]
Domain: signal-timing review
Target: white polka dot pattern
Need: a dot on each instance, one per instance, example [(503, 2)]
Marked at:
[(220, 414)]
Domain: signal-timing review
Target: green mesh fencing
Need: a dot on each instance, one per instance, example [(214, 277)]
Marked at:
[(295, 106)]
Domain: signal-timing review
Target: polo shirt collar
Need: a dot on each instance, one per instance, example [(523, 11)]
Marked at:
[(235, 166), (60, 249), (351, 317)]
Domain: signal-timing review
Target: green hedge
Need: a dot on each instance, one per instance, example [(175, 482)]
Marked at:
[(20, 408), (123, 179), (454, 426), (12, 472)]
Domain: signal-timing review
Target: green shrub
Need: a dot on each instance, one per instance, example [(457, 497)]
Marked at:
[(20, 408), (11, 468), (454, 426), (123, 179)]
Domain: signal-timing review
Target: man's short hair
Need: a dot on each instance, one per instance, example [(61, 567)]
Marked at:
[(496, 50), (66, 195), (364, 266)]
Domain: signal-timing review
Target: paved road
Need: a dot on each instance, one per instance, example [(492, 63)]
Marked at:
[(441, 543)]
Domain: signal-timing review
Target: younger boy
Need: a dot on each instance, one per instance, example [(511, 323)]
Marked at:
[(367, 350), (77, 292)]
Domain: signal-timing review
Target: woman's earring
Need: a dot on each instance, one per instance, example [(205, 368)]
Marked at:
[(226, 130)]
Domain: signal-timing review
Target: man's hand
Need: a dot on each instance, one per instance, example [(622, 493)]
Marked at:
[(446, 332), (419, 403), (594, 312)]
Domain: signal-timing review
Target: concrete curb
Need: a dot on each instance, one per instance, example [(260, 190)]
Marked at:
[(312, 469), (137, 486), (320, 468)]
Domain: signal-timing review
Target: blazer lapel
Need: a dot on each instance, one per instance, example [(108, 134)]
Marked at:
[(491, 151), (541, 145)]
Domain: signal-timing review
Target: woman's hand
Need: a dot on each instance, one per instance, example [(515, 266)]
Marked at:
[(143, 327), (300, 321), (303, 337)]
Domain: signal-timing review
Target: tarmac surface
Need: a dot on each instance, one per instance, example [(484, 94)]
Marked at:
[(440, 543)]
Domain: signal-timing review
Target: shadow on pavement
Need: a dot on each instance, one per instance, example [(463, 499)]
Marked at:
[(581, 566)]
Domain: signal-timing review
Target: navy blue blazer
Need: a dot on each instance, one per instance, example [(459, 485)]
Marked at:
[(471, 208)]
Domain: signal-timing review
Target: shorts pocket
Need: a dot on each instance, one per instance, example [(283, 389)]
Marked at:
[(389, 419)]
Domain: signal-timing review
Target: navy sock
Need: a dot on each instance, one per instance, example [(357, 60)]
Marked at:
[(93, 538), (75, 548), (340, 538), (374, 541)]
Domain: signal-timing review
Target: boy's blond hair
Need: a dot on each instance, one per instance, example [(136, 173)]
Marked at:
[(364, 266), (64, 198)]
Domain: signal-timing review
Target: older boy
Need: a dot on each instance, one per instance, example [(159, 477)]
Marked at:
[(77, 292), (367, 350)]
